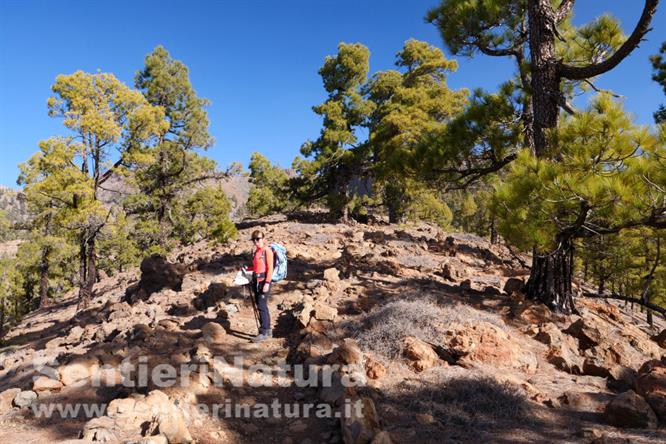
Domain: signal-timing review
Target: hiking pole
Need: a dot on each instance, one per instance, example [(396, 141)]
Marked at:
[(255, 310)]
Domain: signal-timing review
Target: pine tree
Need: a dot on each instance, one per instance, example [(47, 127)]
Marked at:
[(553, 59), (206, 216), (270, 191), (167, 172), (118, 248), (397, 109), (409, 105), (106, 117), (659, 76), (608, 177), (337, 160)]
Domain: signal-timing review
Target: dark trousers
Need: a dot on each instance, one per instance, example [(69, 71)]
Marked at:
[(261, 299)]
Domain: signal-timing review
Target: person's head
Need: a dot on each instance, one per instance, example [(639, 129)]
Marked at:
[(258, 238)]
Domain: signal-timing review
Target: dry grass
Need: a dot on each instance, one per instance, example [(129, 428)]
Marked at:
[(381, 331), (467, 404)]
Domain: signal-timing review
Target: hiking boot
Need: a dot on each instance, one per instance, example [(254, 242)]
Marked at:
[(262, 337)]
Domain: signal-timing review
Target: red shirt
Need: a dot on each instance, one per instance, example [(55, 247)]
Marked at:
[(258, 264)]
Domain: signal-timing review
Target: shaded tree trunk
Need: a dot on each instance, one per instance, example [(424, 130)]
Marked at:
[(551, 277), (44, 266), (494, 239), (2, 318), (84, 296), (645, 297), (394, 194)]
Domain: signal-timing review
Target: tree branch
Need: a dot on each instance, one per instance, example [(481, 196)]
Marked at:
[(595, 69), (620, 297), (563, 10), (481, 171)]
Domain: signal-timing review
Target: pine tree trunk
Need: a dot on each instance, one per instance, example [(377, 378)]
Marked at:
[(550, 279), (545, 78), (394, 194), (494, 239), (84, 295), (44, 266), (551, 274), (44, 278), (2, 318)]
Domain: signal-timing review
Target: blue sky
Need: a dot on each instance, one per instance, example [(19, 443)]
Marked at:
[(256, 61)]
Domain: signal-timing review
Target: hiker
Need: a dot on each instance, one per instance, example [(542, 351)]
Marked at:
[(262, 274)]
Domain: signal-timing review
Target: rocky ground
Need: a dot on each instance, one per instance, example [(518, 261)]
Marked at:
[(431, 328)]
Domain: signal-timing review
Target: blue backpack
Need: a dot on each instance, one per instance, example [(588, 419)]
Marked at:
[(279, 261)]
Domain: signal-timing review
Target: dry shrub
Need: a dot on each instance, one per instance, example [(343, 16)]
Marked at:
[(381, 331)]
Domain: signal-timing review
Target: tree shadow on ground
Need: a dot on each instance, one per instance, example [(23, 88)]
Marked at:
[(467, 409)]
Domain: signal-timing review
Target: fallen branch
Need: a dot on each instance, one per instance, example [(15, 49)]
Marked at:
[(619, 297)]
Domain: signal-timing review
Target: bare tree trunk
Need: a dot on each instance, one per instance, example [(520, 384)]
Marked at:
[(2, 309), (396, 201), (545, 78), (493, 232), (44, 266), (84, 296), (645, 297), (551, 277)]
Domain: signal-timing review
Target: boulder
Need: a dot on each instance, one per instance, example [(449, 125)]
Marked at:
[(7, 398), (213, 333), (589, 332), (24, 398), (420, 355), (361, 427), (78, 370), (45, 383), (212, 296), (584, 401), (615, 360), (347, 353), (382, 437), (139, 415), (483, 342), (325, 312), (331, 275), (141, 332), (157, 273), (535, 314), (374, 369), (119, 310), (565, 356), (55, 343), (334, 393), (305, 314), (514, 285), (629, 410), (550, 334), (453, 272), (660, 339), (74, 335), (651, 384), (172, 426), (100, 429)]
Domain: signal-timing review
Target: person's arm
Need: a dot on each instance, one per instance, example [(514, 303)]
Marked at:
[(269, 264), (251, 267)]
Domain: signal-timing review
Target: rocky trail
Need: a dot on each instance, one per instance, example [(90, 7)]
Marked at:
[(431, 327)]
